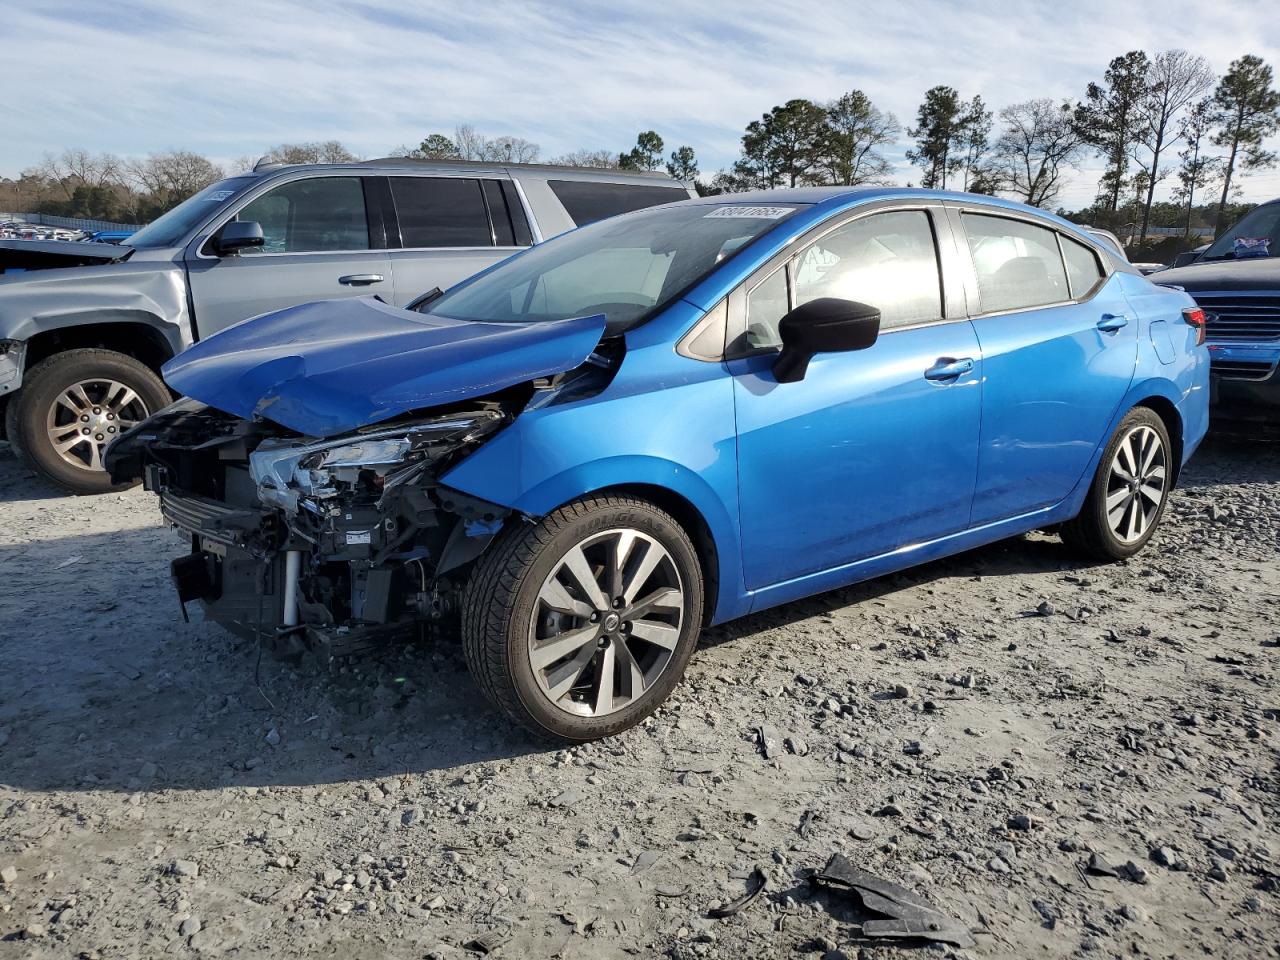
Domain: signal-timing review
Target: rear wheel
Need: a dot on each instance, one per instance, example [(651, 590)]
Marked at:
[(72, 405), (580, 625), (1129, 491)]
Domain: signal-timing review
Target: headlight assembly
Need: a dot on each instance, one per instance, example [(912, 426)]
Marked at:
[(286, 470)]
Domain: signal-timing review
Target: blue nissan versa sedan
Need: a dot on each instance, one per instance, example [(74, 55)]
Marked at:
[(665, 420)]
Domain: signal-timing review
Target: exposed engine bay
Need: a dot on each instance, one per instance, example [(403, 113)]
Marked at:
[(332, 544)]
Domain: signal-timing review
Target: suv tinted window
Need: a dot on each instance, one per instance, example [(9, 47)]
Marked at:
[(323, 213), (886, 260), (587, 200), (441, 212), (1017, 264), (1083, 270)]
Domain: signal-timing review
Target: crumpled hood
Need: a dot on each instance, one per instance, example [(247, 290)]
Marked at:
[(332, 366), (43, 254)]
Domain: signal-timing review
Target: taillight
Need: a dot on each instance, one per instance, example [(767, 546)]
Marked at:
[(1195, 317)]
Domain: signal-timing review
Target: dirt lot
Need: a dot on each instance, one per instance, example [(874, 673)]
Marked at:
[(976, 729)]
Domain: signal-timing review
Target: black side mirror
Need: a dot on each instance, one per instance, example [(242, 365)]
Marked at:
[(238, 235), (825, 325), (1184, 258)]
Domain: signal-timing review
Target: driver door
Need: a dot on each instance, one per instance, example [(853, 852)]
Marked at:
[(874, 450), (317, 247)]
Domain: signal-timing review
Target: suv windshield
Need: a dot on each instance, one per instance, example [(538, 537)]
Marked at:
[(626, 268), (172, 228), (1256, 234)]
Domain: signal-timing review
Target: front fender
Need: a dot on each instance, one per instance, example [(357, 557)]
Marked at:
[(150, 293), (679, 438)]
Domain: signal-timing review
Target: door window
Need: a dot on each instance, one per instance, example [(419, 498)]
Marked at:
[(767, 303), (1018, 264), (441, 212), (314, 215), (887, 261), (587, 201), (1084, 273)]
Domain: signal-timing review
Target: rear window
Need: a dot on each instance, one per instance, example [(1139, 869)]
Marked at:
[(441, 212), (587, 201), (1018, 264)]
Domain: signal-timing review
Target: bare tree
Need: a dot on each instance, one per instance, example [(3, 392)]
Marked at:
[(1174, 79), (473, 145), (1039, 142), (605, 159), (510, 150), (166, 179), (327, 151), (76, 167)]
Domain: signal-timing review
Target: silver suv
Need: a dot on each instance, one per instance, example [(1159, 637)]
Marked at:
[(81, 346)]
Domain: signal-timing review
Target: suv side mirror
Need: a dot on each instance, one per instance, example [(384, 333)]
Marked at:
[(238, 235), (825, 325)]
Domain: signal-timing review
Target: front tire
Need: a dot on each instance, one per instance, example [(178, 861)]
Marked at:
[(578, 626), (72, 405), (1129, 492)]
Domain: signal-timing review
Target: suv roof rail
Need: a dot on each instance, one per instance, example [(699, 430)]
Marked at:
[(556, 167)]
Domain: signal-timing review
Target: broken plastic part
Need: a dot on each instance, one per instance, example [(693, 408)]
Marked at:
[(911, 914), (755, 886)]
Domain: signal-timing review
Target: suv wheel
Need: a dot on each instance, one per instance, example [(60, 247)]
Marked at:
[(72, 405), (580, 625), (1129, 491)]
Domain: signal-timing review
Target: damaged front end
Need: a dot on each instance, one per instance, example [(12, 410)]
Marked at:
[(333, 544)]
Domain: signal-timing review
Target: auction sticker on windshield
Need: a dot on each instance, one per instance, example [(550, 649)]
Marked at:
[(749, 213)]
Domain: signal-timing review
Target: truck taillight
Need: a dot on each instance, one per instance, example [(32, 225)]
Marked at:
[(1195, 317)]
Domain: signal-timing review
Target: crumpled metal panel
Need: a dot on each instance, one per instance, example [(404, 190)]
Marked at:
[(332, 366)]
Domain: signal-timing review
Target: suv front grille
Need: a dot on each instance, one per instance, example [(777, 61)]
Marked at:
[(1242, 369), (1236, 317)]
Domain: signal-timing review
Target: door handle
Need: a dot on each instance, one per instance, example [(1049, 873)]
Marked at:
[(1111, 322), (948, 369), (360, 279)]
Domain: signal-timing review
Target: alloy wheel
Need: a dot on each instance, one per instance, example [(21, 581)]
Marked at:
[(606, 622), (88, 415), (1136, 484)]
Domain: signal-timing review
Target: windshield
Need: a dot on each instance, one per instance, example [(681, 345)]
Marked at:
[(1256, 234), (626, 267), (172, 228)]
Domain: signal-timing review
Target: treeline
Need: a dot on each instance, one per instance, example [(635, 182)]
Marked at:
[(104, 186), (1162, 119)]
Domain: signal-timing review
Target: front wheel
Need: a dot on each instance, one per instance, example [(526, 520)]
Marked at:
[(75, 403), (1129, 491), (580, 625)]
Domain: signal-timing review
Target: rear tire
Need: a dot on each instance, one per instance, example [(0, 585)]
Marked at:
[(72, 405), (1129, 492), (546, 622)]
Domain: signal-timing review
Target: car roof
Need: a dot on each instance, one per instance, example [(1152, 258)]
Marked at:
[(842, 196), (402, 164)]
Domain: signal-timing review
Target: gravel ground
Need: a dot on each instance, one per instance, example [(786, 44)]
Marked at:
[(977, 729)]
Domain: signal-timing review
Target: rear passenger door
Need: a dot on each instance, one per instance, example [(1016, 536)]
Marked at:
[(444, 229), (1059, 346), (317, 245)]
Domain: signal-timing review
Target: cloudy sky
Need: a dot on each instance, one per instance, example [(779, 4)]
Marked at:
[(230, 79)]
